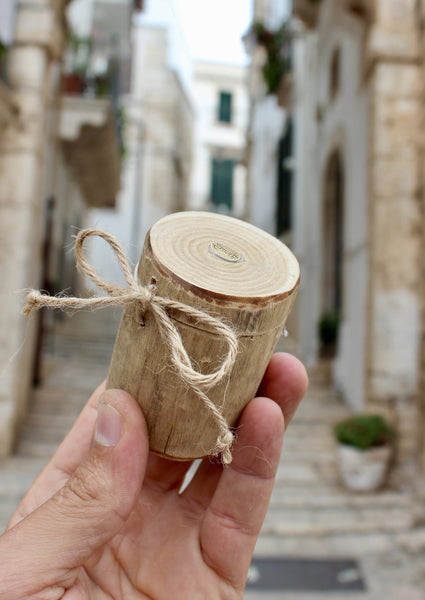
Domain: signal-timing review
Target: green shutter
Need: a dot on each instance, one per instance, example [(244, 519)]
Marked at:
[(222, 182), (284, 184), (225, 107)]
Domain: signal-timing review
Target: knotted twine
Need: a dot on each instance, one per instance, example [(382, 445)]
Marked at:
[(148, 300)]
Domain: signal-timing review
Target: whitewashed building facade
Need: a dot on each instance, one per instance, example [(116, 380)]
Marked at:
[(356, 111), (158, 118), (220, 102)]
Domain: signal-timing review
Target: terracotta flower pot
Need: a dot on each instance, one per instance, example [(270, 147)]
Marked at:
[(72, 83), (364, 470)]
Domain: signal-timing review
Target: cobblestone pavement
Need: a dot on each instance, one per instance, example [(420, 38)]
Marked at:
[(310, 515)]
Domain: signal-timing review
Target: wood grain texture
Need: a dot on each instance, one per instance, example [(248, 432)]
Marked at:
[(231, 270)]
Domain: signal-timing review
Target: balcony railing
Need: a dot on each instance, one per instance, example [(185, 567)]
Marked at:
[(95, 67)]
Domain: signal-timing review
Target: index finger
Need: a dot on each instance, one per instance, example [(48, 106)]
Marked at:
[(233, 519), (286, 382)]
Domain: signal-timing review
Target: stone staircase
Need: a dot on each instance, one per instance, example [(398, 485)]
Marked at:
[(308, 499), (76, 360), (310, 514)]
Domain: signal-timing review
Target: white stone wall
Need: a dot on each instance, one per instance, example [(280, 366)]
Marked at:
[(38, 41), (266, 129), (212, 138), (326, 125), (266, 126), (158, 139), (306, 238)]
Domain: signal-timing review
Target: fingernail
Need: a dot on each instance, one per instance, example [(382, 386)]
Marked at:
[(108, 425)]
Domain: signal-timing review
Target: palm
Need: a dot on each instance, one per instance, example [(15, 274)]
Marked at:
[(156, 554), (194, 544), (168, 537)]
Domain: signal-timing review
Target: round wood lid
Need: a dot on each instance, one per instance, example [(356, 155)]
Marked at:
[(220, 256)]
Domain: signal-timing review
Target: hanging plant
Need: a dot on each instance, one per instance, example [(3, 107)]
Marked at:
[(78, 53), (276, 45)]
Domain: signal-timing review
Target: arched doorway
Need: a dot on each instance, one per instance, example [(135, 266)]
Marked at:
[(333, 236)]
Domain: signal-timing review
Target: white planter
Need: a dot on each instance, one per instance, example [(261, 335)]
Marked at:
[(364, 470)]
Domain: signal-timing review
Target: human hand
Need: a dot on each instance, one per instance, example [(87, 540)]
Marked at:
[(105, 518)]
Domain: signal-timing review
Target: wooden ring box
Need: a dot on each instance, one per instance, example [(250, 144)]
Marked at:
[(231, 270)]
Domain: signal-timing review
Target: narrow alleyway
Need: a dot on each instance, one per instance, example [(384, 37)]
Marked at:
[(310, 515)]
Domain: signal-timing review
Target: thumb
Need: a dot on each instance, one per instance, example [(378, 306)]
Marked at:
[(90, 509)]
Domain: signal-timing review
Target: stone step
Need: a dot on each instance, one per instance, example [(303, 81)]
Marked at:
[(315, 457), (36, 449), (90, 323), (55, 409), (290, 472), (85, 377), (330, 520), (42, 435), (321, 409), (289, 595), (328, 496), (317, 442), (16, 477), (59, 397), (332, 545), (98, 355), (75, 336), (260, 595), (36, 420), (5, 514), (305, 430)]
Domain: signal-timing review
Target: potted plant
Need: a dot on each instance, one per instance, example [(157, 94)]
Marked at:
[(76, 63), (365, 447)]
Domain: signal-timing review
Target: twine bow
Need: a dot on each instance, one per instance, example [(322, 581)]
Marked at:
[(145, 296)]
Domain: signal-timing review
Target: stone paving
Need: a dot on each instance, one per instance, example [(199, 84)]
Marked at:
[(310, 514)]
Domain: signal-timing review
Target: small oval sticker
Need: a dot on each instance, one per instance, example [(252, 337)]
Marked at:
[(225, 252)]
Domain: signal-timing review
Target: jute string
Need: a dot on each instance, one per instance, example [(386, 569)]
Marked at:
[(159, 307)]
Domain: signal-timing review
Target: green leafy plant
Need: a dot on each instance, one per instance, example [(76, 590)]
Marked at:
[(364, 431), (102, 85), (329, 328), (78, 54), (277, 62)]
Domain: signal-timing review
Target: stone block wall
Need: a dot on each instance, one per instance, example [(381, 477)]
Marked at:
[(395, 217), (38, 40)]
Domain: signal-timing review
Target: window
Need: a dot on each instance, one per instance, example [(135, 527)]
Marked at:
[(225, 107), (222, 182)]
